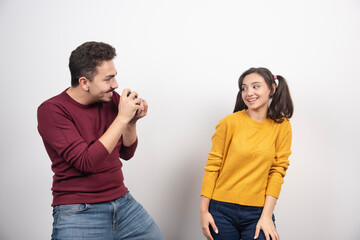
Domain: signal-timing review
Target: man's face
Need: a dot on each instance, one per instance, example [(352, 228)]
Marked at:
[(104, 83)]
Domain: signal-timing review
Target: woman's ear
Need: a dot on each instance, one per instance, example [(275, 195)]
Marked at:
[(273, 89)]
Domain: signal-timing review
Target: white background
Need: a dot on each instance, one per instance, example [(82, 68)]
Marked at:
[(185, 57)]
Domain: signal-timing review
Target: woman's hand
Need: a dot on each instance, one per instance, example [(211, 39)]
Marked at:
[(266, 224), (206, 219)]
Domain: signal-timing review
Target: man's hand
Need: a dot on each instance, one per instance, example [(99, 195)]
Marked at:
[(141, 112), (129, 105)]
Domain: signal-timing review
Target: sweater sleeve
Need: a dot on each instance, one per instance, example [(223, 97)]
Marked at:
[(60, 133), (215, 159), (127, 152), (281, 161)]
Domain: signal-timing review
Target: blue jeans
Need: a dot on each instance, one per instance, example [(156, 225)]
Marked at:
[(235, 221), (123, 218)]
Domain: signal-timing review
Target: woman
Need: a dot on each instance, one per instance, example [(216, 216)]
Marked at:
[(248, 160)]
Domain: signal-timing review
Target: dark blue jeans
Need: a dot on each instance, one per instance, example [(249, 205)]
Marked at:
[(235, 221)]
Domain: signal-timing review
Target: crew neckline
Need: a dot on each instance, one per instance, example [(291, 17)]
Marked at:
[(73, 101), (254, 122)]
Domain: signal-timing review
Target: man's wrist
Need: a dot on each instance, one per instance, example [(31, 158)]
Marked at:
[(121, 121), (133, 121), (131, 124)]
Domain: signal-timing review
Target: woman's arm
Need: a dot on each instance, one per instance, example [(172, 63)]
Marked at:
[(265, 222), (212, 170), (215, 159), (206, 219), (281, 162), (275, 180)]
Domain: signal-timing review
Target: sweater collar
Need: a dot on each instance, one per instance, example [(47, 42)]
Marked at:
[(254, 122)]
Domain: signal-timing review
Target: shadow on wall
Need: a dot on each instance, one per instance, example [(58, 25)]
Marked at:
[(185, 198)]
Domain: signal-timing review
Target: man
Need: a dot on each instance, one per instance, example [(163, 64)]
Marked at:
[(85, 130)]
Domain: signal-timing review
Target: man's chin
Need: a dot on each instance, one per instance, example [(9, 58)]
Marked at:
[(104, 100)]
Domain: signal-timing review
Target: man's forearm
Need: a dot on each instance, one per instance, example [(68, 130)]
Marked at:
[(129, 135), (112, 135)]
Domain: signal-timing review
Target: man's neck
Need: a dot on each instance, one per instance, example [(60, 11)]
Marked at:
[(79, 95)]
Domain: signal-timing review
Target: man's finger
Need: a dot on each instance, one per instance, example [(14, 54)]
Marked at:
[(137, 101), (142, 107), (146, 106), (125, 92), (133, 95)]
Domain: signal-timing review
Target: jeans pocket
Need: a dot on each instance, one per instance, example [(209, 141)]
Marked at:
[(213, 205), (128, 196), (70, 208)]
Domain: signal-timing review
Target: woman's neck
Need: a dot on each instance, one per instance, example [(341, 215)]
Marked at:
[(258, 116)]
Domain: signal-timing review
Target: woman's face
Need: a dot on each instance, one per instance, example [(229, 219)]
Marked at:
[(255, 92)]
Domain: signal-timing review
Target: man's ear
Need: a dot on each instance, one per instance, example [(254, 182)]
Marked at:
[(84, 83)]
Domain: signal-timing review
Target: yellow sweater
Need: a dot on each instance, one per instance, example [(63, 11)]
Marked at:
[(247, 161)]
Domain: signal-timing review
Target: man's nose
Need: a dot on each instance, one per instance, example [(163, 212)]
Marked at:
[(114, 84)]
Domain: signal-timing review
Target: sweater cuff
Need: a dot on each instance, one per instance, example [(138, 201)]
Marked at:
[(127, 152), (273, 189), (208, 184)]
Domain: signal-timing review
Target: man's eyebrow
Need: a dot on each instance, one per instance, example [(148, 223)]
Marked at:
[(111, 75)]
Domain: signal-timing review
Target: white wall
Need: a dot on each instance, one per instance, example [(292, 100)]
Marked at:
[(185, 57)]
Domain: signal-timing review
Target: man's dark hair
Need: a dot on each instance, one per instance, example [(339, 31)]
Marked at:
[(85, 58)]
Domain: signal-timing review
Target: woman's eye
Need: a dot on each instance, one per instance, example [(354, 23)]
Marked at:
[(243, 89), (256, 86)]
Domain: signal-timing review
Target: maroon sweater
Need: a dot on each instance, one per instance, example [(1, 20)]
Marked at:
[(84, 171)]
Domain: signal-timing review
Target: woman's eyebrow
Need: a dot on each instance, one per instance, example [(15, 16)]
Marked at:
[(251, 83)]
